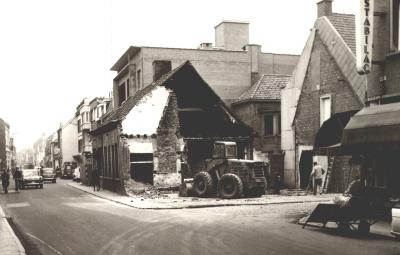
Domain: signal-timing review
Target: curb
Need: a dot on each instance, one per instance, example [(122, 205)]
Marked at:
[(20, 248), (201, 205)]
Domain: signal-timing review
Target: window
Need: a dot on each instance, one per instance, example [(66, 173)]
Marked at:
[(79, 126), (394, 25), (80, 143), (121, 93), (325, 108), (138, 77), (116, 161), (272, 125), (86, 117), (127, 88), (105, 164)]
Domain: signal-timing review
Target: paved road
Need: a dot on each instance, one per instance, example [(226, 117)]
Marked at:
[(61, 220)]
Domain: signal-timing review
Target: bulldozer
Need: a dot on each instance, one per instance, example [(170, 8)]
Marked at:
[(229, 177)]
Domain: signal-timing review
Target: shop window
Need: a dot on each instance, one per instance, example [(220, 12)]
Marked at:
[(271, 122), (394, 24), (325, 108)]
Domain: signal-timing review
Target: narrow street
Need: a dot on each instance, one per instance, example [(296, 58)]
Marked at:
[(61, 220)]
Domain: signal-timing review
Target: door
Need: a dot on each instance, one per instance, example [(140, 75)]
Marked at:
[(305, 166)]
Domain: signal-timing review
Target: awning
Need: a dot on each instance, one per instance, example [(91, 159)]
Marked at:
[(329, 135), (373, 127)]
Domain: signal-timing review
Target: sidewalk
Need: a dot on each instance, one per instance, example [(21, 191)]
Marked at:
[(9, 242), (173, 201)]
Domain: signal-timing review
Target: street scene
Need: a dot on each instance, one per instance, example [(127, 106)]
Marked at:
[(268, 137)]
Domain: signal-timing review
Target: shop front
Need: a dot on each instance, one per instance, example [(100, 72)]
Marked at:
[(373, 135)]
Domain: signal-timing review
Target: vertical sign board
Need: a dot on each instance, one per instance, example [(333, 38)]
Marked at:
[(364, 35)]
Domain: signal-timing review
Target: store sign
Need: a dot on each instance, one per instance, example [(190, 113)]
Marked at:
[(364, 36)]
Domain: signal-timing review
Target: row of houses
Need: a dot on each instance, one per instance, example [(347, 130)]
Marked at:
[(169, 105)]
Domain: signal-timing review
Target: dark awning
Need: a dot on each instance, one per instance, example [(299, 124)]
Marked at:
[(373, 127), (329, 135)]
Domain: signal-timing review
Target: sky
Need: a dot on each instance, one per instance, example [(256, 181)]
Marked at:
[(53, 53)]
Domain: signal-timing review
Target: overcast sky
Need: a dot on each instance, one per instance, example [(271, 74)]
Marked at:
[(53, 53)]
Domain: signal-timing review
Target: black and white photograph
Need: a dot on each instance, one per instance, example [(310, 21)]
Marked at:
[(168, 127)]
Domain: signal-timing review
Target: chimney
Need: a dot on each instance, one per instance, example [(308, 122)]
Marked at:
[(231, 35), (324, 8), (205, 46), (160, 67)]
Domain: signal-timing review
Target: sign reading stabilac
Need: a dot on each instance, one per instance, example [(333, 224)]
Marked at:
[(364, 36)]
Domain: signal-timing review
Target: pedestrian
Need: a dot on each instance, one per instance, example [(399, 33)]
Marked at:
[(95, 180), (5, 180), (17, 178), (316, 175)]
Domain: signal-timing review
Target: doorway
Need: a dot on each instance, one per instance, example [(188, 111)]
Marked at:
[(305, 166), (141, 168)]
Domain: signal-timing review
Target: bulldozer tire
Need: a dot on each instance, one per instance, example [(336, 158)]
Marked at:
[(230, 186), (203, 184)]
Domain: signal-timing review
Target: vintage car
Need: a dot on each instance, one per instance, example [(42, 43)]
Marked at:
[(49, 174), (31, 177)]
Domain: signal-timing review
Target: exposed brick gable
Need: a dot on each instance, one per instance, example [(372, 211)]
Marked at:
[(331, 81)]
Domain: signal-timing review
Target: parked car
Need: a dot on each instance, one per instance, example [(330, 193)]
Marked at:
[(396, 220), (49, 175), (77, 175), (31, 177)]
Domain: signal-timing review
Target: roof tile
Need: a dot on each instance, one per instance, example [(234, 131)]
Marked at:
[(268, 87)]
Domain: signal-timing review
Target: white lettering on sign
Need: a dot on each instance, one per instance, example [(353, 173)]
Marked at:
[(364, 36)]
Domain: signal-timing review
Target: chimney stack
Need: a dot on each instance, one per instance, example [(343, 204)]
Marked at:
[(232, 35), (324, 8)]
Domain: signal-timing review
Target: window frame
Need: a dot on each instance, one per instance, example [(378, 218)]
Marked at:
[(321, 100), (276, 125), (394, 42)]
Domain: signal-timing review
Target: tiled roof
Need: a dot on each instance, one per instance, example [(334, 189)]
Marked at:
[(268, 87), (342, 54), (345, 24), (120, 113)]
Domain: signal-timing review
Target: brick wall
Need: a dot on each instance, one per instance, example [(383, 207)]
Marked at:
[(251, 113), (331, 81), (229, 73), (343, 174), (167, 175)]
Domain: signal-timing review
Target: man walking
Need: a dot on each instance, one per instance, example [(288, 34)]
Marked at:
[(316, 175), (17, 178), (5, 180), (95, 180)]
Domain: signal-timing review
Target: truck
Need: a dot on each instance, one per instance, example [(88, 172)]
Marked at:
[(229, 177), (68, 170)]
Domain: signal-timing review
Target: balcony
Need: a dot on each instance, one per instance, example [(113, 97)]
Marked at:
[(86, 126), (87, 148)]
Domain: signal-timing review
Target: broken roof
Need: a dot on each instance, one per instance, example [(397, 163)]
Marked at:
[(152, 100), (268, 87)]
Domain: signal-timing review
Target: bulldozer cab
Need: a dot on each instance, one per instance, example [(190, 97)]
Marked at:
[(224, 150)]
